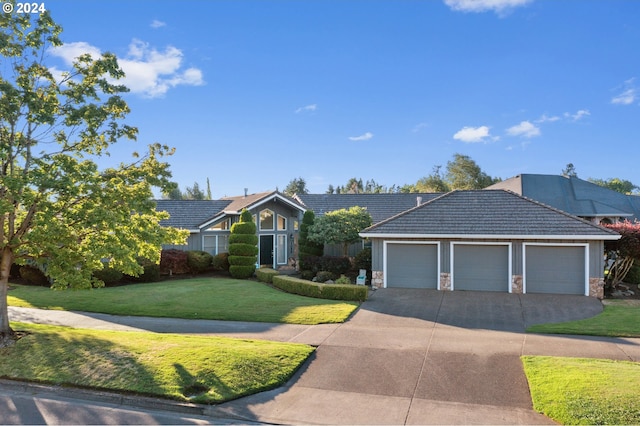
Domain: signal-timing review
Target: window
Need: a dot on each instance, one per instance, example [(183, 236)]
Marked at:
[(266, 220), (282, 223), (282, 249), (215, 244), (225, 225)]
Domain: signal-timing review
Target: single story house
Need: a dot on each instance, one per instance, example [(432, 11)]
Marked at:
[(209, 223), (575, 196), (489, 240), (380, 207)]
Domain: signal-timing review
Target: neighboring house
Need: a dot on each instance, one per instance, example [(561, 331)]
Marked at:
[(380, 207), (575, 196), (490, 240), (209, 223)]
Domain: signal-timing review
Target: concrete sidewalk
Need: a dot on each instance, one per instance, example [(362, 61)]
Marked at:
[(406, 357)]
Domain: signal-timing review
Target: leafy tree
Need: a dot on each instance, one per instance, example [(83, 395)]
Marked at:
[(243, 247), (616, 184), (194, 193), (330, 189), (464, 173), (58, 211), (172, 192), (354, 186), (622, 253), (306, 247), (340, 227), (296, 186), (433, 183), (569, 171), (208, 190)]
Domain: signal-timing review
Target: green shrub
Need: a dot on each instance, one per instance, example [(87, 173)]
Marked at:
[(150, 274), (307, 248), (198, 261), (243, 228), (320, 291), (242, 261), (307, 275), (34, 276), (246, 227), (362, 260), (220, 262), (336, 264), (240, 249), (108, 276), (251, 239), (343, 280), (324, 276), (266, 275), (242, 272)]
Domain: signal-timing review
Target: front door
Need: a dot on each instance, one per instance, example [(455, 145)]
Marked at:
[(266, 250)]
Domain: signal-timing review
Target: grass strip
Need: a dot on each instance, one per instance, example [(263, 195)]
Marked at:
[(618, 319), (198, 298), (187, 368), (584, 391)]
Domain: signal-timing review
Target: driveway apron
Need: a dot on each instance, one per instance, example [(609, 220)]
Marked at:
[(411, 356)]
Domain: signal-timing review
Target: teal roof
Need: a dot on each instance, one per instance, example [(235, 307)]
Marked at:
[(573, 195)]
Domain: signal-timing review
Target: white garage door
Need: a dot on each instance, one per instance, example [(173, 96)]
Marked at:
[(555, 269), (480, 267), (412, 265)]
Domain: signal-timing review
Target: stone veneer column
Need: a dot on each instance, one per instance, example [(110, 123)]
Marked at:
[(596, 287), (377, 279), (516, 284), (445, 281)]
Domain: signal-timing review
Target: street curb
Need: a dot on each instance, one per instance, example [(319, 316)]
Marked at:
[(112, 398)]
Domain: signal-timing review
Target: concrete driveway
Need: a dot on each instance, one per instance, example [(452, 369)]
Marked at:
[(428, 357)]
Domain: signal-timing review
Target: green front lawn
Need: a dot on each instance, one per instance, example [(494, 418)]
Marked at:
[(620, 318), (198, 369), (199, 298), (584, 391)]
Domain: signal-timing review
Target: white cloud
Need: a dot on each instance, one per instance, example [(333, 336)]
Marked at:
[(580, 114), (307, 108), (501, 7), (473, 134), (628, 95), (525, 129), (148, 72), (547, 119), (157, 24), (363, 137), (418, 127)]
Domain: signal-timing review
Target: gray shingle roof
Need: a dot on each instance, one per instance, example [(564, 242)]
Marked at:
[(379, 206), (572, 195), (188, 214), (487, 213)]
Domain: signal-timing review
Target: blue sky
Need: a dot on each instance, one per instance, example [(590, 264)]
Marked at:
[(255, 93)]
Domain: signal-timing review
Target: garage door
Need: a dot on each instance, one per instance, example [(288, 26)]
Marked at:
[(481, 267), (412, 265), (555, 269)]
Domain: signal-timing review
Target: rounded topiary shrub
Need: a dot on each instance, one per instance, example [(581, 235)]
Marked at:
[(243, 249), (34, 276), (251, 239), (198, 261), (363, 259)]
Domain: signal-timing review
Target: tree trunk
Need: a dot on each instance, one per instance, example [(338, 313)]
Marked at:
[(7, 335), (619, 270)]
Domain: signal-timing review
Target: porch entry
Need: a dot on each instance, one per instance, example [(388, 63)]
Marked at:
[(266, 250)]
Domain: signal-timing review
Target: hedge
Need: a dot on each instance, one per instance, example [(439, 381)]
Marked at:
[(241, 272), (266, 275), (198, 261), (320, 291)]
